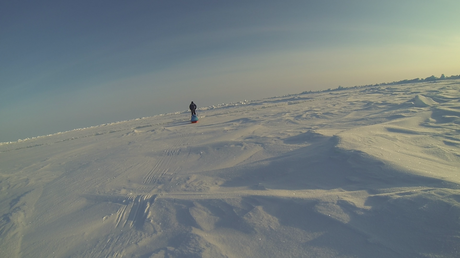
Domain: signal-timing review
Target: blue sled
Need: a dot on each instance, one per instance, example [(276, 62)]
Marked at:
[(194, 119)]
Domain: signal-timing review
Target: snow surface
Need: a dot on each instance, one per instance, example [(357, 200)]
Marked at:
[(356, 172)]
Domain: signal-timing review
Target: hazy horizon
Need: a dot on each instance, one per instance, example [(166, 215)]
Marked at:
[(72, 65)]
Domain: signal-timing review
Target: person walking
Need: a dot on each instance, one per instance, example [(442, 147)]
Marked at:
[(193, 108)]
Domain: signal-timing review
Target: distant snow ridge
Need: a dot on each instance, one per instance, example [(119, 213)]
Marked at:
[(223, 105), (422, 101)]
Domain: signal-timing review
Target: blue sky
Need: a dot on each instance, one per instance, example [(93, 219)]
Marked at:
[(73, 64)]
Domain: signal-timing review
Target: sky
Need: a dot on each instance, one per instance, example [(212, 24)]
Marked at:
[(73, 64)]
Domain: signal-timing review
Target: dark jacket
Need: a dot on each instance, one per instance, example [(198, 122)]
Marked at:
[(192, 106)]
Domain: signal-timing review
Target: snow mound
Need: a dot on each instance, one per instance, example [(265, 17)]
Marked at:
[(422, 101)]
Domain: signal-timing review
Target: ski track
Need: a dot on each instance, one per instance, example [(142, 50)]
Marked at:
[(162, 167)]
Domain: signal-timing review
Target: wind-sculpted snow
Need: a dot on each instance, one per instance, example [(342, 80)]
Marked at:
[(359, 172)]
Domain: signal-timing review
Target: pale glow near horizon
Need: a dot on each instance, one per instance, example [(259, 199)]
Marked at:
[(126, 61)]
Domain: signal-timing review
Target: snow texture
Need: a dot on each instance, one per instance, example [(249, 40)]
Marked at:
[(356, 172)]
